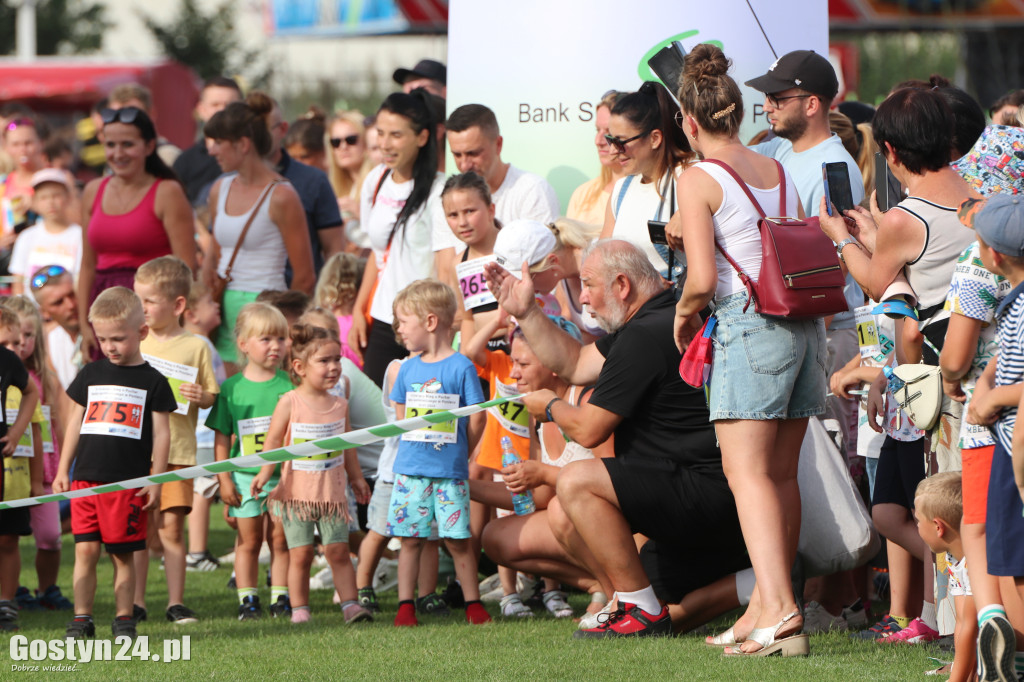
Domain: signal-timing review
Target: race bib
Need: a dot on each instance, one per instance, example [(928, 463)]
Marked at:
[(867, 332), (470, 274), (47, 430), (512, 415), (177, 374), (251, 434), (24, 446), (114, 411), (418, 404), (302, 433)]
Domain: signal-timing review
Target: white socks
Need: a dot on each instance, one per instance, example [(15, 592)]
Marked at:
[(644, 598)]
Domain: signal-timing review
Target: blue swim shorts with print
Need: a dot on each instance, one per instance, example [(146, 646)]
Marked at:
[(416, 501)]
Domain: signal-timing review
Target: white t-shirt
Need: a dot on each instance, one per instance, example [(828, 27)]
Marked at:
[(636, 203), (38, 247), (521, 196), (409, 256), (65, 354), (959, 583)]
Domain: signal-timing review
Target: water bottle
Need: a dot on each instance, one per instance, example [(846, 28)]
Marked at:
[(522, 503)]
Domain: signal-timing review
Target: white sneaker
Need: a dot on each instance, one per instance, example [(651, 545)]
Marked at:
[(589, 621), (856, 616), (513, 606), (554, 601), (817, 619), (489, 583), (323, 580)]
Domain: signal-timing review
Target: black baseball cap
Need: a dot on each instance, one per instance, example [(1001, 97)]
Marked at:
[(804, 69), (425, 68)]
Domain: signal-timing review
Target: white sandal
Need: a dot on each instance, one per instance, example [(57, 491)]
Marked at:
[(727, 638), (797, 644)]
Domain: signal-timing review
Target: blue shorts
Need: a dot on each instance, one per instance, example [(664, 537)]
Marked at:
[(1004, 524), (766, 367), (416, 501), (250, 506)]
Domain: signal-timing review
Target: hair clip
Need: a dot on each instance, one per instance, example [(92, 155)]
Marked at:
[(695, 90), (724, 112)]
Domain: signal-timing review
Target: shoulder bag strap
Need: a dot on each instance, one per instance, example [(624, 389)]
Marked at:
[(248, 223), (782, 189)]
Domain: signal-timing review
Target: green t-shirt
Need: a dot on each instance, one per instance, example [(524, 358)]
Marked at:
[(243, 409)]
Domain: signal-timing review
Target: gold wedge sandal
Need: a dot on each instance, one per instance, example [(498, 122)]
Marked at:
[(797, 644)]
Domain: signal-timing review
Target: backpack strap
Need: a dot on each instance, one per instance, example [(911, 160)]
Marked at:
[(622, 195)]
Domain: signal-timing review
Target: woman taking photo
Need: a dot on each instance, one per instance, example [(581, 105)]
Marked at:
[(251, 193), (399, 200), (768, 373), (652, 152), (138, 213), (348, 163), (590, 200)]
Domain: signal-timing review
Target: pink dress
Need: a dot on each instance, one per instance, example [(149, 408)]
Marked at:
[(344, 325)]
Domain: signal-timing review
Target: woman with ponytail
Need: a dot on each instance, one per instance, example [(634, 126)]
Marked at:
[(137, 213), (398, 201), (652, 152), (276, 234), (768, 373)]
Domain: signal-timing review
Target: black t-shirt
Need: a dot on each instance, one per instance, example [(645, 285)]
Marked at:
[(663, 417), (12, 373), (197, 171), (116, 440)]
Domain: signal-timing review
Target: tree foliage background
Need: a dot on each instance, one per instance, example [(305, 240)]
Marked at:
[(62, 26)]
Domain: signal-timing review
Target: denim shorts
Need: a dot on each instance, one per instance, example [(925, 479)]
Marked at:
[(766, 367)]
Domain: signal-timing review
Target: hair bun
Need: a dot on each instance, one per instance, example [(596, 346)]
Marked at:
[(260, 103), (705, 64), (315, 114)]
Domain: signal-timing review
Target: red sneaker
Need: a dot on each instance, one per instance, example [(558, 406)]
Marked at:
[(476, 614), (629, 621), (406, 615)]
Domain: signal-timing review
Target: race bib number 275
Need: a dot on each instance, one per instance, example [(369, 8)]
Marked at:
[(114, 411)]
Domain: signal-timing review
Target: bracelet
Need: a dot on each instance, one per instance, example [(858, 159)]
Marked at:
[(547, 410)]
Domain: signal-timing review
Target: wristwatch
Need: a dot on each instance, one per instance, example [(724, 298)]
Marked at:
[(842, 244), (547, 410)]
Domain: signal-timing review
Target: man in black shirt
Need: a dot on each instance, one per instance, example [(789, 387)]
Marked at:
[(196, 169), (666, 478)]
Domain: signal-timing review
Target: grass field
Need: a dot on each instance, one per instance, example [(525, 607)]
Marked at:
[(440, 649)]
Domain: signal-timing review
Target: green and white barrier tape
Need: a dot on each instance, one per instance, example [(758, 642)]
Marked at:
[(351, 439)]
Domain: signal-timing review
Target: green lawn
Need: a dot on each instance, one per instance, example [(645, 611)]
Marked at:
[(441, 649)]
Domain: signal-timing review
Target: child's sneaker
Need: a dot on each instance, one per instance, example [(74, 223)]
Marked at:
[(557, 606), (630, 621), (250, 608), (282, 607), (179, 614), (996, 646), (817, 620), (301, 615), (915, 633), (432, 605), (201, 562), (453, 596), (406, 616), (8, 616), (124, 626), (368, 599), (476, 614), (54, 600), (512, 606), (856, 615), (355, 613), (138, 613), (26, 600), (882, 628), (80, 628)]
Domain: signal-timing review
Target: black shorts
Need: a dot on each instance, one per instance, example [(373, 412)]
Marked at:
[(1004, 524), (17, 521), (690, 516), (900, 469)]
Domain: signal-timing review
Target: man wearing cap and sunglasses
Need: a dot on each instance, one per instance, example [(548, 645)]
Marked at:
[(427, 74), (799, 88)]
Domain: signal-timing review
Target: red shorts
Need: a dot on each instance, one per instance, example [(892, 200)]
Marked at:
[(977, 465), (116, 519)]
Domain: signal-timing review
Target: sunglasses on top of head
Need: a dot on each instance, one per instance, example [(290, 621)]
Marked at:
[(123, 115)]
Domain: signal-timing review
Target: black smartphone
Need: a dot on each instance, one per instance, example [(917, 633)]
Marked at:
[(888, 190), (838, 193), (667, 65), (656, 229)]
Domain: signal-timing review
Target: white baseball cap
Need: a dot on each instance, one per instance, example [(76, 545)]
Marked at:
[(523, 241)]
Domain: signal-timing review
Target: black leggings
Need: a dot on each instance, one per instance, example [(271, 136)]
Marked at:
[(381, 349)]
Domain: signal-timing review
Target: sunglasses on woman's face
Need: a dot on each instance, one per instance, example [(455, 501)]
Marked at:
[(123, 115), (619, 144), (349, 140)]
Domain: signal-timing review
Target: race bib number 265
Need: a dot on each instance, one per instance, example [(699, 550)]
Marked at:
[(114, 411)]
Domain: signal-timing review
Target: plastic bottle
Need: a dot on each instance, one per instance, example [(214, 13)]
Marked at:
[(522, 503)]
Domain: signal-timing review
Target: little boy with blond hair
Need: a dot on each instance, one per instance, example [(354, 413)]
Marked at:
[(163, 285), (117, 429)]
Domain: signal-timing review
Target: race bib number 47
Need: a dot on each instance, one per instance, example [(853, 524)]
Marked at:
[(114, 411)]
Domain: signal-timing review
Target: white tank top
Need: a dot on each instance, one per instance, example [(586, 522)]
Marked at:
[(736, 226), (261, 258), (573, 451)]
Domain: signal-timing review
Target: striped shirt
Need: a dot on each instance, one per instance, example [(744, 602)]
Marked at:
[(1010, 362)]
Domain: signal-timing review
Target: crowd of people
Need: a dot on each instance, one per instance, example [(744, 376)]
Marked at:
[(282, 282)]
